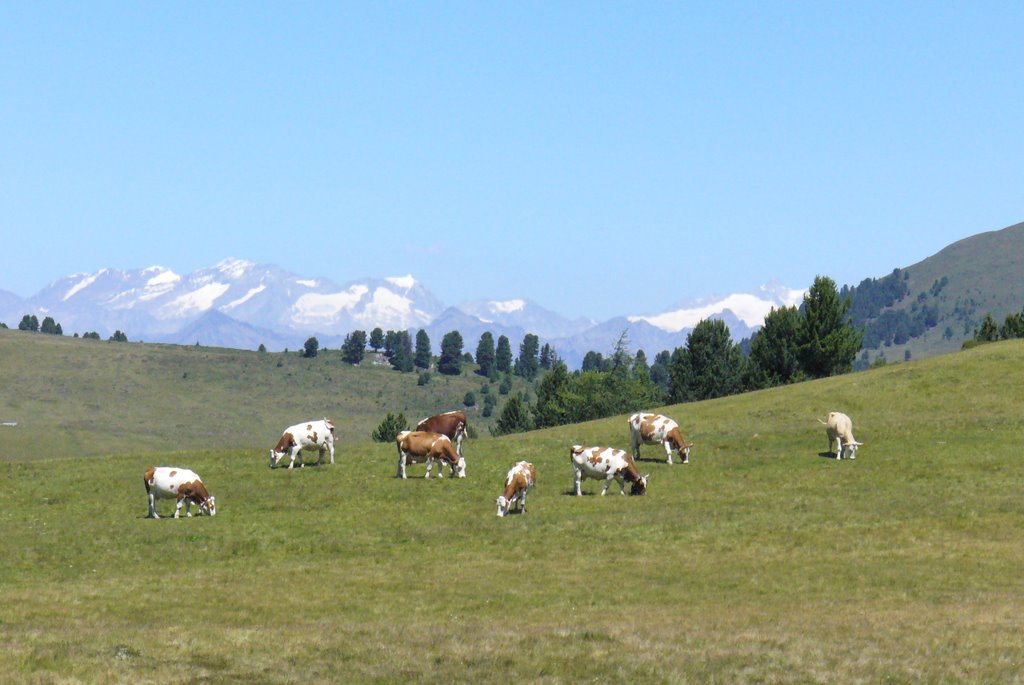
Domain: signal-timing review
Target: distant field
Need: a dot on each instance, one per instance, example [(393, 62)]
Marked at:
[(94, 397), (761, 561)]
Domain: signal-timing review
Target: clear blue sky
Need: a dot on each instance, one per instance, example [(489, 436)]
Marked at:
[(601, 159)]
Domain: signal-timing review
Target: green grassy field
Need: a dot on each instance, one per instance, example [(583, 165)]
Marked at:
[(94, 398), (761, 561)]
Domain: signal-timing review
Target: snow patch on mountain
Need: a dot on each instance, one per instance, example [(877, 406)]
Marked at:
[(508, 306), (234, 269), (748, 308), (308, 283), (325, 308), (88, 280), (253, 292), (198, 300)]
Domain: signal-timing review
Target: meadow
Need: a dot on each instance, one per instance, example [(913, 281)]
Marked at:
[(761, 561)]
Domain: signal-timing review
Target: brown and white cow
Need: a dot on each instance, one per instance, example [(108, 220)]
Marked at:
[(452, 423), (414, 446), (168, 482), (518, 483), (839, 427), (607, 464), (655, 429), (311, 435)]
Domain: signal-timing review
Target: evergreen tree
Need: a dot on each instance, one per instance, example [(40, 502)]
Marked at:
[(660, 375), (989, 330), (311, 347), (376, 339), (489, 402), (827, 342), (773, 350), (262, 348), (514, 418), (527, 364), (51, 327), (118, 336), (1013, 327), (503, 355), (592, 361), (423, 355), (548, 357), (390, 427), (469, 399), (553, 398), (715, 362), (29, 322), (450, 362), (353, 350), (398, 348), (485, 356)]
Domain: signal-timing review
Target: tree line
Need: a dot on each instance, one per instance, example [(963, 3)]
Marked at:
[(31, 324)]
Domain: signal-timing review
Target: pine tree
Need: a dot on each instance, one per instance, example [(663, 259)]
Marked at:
[(553, 396), (398, 348), (423, 355), (503, 355), (827, 342), (773, 349), (514, 418), (485, 356), (989, 330), (390, 427), (353, 350), (592, 361), (527, 364), (450, 362), (376, 339), (311, 347)]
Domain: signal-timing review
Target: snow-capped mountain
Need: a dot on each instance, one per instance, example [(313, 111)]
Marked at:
[(237, 303)]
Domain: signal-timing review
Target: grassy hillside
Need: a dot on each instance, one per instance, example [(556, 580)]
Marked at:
[(90, 397), (761, 561)]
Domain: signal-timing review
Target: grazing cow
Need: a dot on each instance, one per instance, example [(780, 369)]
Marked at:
[(607, 464), (518, 484), (655, 429), (318, 435), (839, 427), (424, 445), (166, 482), (452, 423)]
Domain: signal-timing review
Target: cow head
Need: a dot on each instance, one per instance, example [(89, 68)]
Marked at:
[(274, 458), (209, 507), (684, 450), (503, 505), (640, 485), (851, 448)]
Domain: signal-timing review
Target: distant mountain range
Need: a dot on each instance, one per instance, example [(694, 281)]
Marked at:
[(237, 303)]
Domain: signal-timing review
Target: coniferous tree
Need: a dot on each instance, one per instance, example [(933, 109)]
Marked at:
[(485, 356), (528, 364), (989, 330), (423, 355), (514, 418), (390, 427), (827, 342), (592, 361), (311, 348), (773, 349), (398, 348), (1013, 326), (376, 339), (553, 398), (29, 322), (450, 362), (353, 350), (118, 336), (503, 355)]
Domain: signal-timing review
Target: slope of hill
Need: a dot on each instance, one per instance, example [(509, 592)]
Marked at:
[(760, 561), (953, 290), (94, 397)]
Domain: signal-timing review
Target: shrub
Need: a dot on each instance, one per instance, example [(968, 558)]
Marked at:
[(390, 427)]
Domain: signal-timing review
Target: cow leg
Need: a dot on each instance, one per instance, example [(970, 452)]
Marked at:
[(152, 506), (636, 447), (401, 464), (330, 446), (177, 508), (320, 460), (668, 451), (578, 477), (430, 465), (604, 490)]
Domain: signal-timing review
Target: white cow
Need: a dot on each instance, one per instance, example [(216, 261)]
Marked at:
[(655, 429), (518, 483), (607, 464), (839, 427), (318, 435), (168, 482)]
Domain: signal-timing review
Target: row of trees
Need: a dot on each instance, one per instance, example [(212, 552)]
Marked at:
[(815, 341), (30, 323), (990, 331)]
